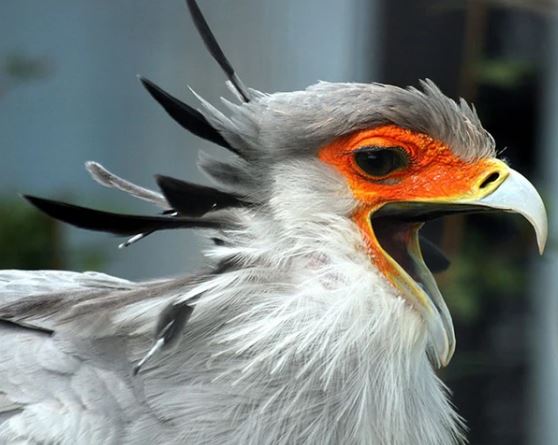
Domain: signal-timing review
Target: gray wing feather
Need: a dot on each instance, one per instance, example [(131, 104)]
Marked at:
[(72, 387), (17, 284)]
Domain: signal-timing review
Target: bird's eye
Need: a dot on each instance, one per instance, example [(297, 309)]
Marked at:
[(380, 161)]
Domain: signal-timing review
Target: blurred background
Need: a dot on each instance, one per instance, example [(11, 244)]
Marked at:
[(68, 94)]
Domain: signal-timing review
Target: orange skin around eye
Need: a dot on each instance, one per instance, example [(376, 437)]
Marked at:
[(434, 173)]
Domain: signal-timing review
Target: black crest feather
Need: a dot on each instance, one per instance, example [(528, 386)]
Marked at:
[(186, 116), (215, 50), (117, 223), (192, 199)]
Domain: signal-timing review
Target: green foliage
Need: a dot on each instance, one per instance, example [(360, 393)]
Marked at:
[(17, 68), (30, 240), (504, 73), (24, 68)]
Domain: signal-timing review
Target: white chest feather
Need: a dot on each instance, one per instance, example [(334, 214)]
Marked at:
[(311, 346)]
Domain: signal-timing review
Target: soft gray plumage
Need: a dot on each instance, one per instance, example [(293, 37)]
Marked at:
[(296, 123)]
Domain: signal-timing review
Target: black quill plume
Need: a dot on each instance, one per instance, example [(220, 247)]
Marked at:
[(186, 116), (116, 223), (215, 50), (195, 200)]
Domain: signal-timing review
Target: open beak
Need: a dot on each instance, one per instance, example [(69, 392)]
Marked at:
[(396, 227)]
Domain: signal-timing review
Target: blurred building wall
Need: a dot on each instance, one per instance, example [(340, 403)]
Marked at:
[(544, 413), (91, 106)]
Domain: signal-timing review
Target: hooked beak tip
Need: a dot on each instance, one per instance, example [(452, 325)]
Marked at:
[(516, 194)]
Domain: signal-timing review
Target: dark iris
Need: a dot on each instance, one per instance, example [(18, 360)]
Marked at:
[(380, 161)]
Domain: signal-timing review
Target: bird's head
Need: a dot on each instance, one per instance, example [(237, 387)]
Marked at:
[(386, 158)]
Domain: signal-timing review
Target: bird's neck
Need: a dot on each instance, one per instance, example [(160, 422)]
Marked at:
[(317, 347)]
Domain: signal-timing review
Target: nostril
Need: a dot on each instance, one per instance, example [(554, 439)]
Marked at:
[(490, 179)]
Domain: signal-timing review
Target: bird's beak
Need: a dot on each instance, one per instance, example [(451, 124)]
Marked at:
[(508, 191), (517, 195)]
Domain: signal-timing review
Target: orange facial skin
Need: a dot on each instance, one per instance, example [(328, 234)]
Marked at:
[(434, 173)]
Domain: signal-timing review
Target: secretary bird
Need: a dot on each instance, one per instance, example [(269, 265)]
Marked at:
[(317, 320)]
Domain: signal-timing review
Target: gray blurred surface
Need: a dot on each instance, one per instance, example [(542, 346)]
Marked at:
[(544, 339)]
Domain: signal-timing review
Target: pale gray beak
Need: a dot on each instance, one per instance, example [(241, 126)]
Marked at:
[(516, 194), (512, 192)]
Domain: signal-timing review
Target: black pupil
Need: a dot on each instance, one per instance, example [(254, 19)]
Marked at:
[(380, 161)]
